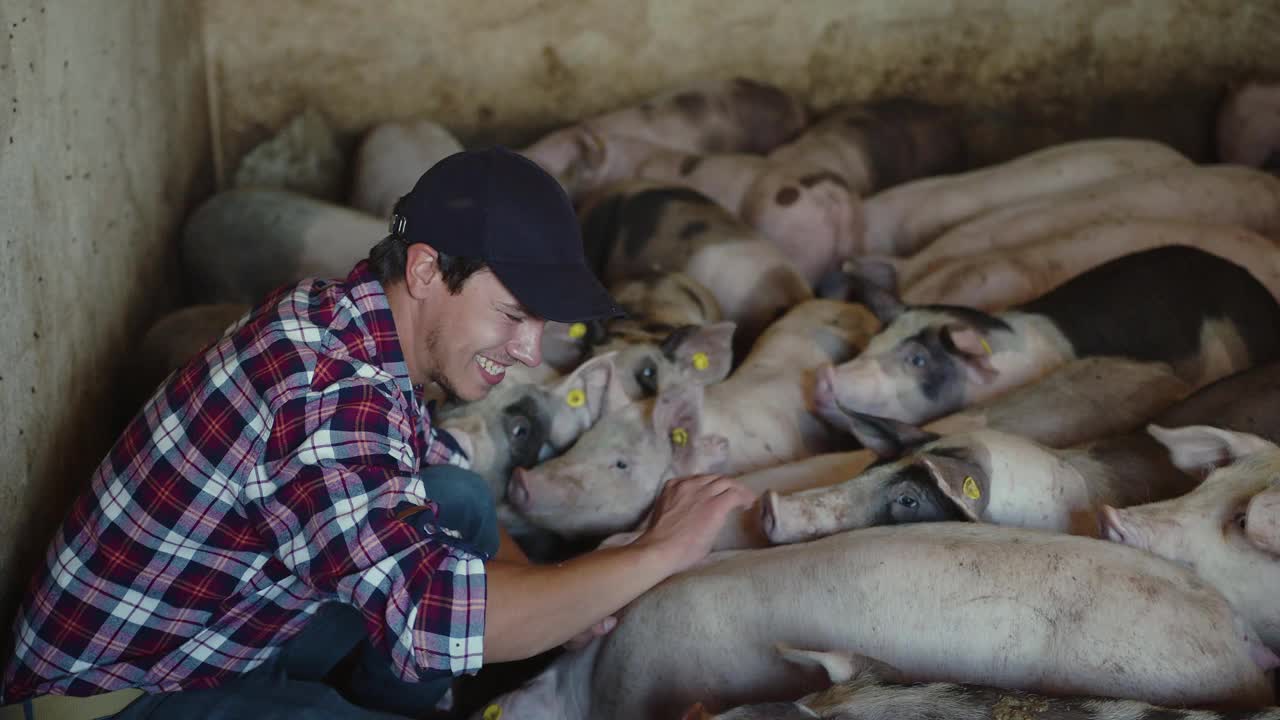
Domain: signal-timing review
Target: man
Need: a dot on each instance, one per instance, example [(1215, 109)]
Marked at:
[(282, 532)]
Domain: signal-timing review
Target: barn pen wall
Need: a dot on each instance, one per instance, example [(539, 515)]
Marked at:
[(104, 144), (118, 116)]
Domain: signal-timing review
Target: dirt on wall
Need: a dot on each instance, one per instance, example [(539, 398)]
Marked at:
[(1028, 74)]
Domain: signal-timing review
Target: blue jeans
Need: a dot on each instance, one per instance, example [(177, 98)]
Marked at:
[(330, 670)]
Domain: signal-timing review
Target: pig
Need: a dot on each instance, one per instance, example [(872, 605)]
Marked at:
[(607, 481), (1001, 278), (809, 199), (726, 178), (903, 219), (1017, 479), (1247, 130), (984, 476), (303, 157), (716, 116), (1224, 530), (241, 244), (867, 690), (1007, 607), (930, 361), (173, 340), (638, 227), (1090, 398), (390, 160), (1218, 194)]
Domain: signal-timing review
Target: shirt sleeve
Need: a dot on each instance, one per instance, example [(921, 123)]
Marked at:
[(340, 464)]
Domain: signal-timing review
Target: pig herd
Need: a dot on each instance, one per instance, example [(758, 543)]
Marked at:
[(1012, 428)]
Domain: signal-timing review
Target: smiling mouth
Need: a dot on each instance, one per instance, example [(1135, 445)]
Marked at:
[(493, 371)]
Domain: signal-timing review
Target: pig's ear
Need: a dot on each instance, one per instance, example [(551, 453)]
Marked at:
[(565, 344), (1262, 520), (707, 349), (971, 346), (886, 437), (700, 455), (964, 483), (840, 666), (583, 397), (1200, 449), (678, 408), (873, 283)]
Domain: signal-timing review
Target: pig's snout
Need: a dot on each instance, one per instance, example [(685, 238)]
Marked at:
[(769, 514), (1112, 526), (824, 392), (518, 489)]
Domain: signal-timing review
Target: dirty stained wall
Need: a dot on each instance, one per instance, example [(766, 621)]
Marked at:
[(104, 142), (1033, 72)]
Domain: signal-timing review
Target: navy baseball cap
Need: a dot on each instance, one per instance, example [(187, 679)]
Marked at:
[(503, 208)]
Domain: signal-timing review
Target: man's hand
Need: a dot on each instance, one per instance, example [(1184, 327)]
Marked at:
[(688, 515)]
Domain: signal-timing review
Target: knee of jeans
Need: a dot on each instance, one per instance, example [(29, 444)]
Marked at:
[(466, 505)]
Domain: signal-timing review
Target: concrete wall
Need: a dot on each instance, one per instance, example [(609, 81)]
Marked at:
[(103, 144), (1035, 71)]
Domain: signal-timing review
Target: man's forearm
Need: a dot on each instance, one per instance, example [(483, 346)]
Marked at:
[(533, 608)]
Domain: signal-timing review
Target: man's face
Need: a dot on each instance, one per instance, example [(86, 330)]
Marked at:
[(482, 331)]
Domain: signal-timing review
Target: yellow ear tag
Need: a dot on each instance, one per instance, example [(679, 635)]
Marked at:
[(575, 398), (971, 490), (701, 361), (985, 346), (679, 436), (576, 331), (493, 712)]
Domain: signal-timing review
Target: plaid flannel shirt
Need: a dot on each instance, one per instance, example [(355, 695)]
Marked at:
[(262, 480)]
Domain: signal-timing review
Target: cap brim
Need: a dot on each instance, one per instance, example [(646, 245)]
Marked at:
[(562, 293)]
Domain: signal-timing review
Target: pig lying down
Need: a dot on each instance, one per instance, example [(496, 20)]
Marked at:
[(636, 228), (906, 218), (1214, 194), (1009, 276), (866, 690), (1248, 126), (1008, 477), (241, 244), (1225, 529), (1090, 398), (1009, 608), (391, 158), (719, 116), (930, 361)]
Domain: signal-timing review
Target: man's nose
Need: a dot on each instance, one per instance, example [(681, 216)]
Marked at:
[(526, 346)]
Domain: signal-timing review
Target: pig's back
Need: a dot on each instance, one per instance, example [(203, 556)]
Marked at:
[(1153, 306), (1248, 401), (968, 603)]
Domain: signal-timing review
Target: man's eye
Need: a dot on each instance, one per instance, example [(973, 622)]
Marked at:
[(513, 318)]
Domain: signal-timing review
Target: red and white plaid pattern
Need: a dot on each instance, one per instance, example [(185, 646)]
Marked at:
[(260, 481)]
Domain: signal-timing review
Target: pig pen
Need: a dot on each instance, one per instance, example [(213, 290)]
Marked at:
[(121, 118)]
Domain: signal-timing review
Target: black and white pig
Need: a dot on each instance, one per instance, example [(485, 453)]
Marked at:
[(1203, 315), (1004, 475)]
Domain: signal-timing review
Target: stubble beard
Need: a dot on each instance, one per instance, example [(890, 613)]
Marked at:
[(438, 376)]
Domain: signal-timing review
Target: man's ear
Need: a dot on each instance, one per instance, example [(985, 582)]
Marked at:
[(970, 346), (420, 269)]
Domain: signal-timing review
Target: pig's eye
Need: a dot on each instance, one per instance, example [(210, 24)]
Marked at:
[(1241, 520), (918, 360), (620, 464), (908, 502)]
